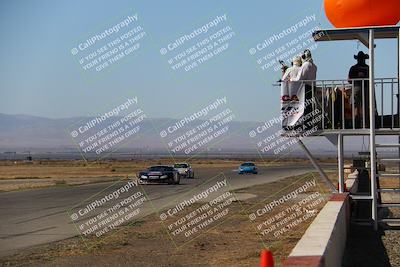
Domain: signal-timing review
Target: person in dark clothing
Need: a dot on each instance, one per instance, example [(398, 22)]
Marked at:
[(361, 89)]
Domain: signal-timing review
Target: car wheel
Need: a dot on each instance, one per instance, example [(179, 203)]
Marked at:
[(177, 178)]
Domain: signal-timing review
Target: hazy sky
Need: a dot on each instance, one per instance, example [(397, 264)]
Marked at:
[(39, 76)]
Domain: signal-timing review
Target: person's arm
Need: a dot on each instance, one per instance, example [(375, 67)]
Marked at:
[(285, 77)]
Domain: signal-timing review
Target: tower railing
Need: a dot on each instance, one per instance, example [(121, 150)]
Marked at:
[(344, 104)]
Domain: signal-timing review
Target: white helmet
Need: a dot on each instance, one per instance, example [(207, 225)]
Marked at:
[(297, 61)]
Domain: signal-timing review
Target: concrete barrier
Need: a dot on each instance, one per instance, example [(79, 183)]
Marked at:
[(352, 182), (323, 243)]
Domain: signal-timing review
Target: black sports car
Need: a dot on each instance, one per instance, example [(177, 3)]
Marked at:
[(159, 174)]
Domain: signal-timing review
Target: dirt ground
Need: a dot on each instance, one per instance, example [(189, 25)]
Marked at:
[(235, 242)]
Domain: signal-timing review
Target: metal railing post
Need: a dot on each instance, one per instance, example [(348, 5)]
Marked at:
[(382, 96), (398, 89), (353, 113), (340, 163), (391, 103), (364, 111), (333, 108), (343, 109), (374, 206), (323, 106)]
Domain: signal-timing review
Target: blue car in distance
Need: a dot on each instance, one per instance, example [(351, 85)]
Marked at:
[(248, 167)]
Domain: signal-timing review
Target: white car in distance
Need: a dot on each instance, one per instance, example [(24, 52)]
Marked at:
[(184, 169)]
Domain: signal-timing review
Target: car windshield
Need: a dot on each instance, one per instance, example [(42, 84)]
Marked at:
[(248, 164), (181, 165), (158, 168)]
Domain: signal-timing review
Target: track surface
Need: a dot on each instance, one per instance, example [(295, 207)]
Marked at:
[(34, 217)]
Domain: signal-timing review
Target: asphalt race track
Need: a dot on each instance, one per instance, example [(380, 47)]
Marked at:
[(40, 216)]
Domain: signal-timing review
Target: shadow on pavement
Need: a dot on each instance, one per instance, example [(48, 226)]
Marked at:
[(364, 247)]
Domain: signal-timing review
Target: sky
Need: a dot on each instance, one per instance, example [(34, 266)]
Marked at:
[(39, 76)]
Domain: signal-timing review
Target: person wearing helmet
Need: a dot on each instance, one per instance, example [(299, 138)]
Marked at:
[(308, 70), (307, 74), (292, 71)]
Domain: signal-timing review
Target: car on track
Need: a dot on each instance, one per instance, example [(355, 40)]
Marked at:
[(159, 174), (184, 169), (248, 167)]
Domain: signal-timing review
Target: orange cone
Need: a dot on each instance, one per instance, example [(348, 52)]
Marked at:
[(266, 259)]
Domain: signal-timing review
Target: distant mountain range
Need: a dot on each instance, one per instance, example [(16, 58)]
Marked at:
[(38, 134)]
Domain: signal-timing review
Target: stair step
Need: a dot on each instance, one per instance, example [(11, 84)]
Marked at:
[(361, 197), (388, 175), (389, 205), (389, 190), (362, 223), (387, 145)]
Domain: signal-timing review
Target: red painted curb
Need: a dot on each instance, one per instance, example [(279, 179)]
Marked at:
[(304, 261)]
